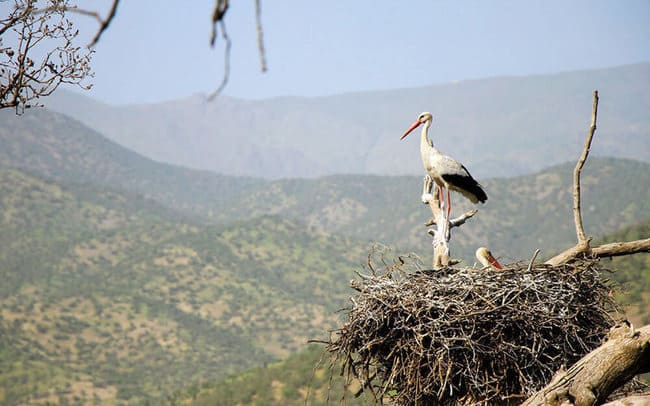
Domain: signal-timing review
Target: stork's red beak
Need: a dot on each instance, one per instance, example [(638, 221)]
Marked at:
[(413, 127), (494, 262)]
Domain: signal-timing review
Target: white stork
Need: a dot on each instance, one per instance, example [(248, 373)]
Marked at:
[(444, 170), (485, 257)]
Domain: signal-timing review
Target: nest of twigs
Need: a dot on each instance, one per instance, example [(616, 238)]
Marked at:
[(474, 336)]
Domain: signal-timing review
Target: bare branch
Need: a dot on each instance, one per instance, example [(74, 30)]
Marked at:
[(589, 381), (23, 80), (226, 68), (621, 248), (532, 260), (635, 400), (260, 35), (105, 23), (577, 215), (582, 247), (220, 8)]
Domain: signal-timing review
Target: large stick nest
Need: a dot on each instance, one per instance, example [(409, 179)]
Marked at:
[(470, 335)]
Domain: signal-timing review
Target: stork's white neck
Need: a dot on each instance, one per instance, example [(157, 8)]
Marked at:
[(425, 143)]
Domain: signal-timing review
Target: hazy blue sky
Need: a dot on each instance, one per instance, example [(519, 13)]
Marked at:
[(158, 50)]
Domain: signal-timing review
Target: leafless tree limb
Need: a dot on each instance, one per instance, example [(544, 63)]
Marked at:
[(582, 248), (621, 248), (226, 63), (593, 378), (260, 35), (442, 233), (635, 400), (105, 23), (220, 8), (577, 215), (47, 33)]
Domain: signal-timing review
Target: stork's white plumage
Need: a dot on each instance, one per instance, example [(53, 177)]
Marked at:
[(486, 258), (445, 171)]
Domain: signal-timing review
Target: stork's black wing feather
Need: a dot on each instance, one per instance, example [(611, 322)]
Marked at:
[(466, 184)]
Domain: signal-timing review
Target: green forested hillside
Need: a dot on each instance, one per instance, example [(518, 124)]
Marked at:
[(522, 213), (633, 273), (112, 298), (302, 379)]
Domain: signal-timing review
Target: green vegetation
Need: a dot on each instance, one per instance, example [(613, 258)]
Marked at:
[(633, 274), (112, 298), (304, 378)]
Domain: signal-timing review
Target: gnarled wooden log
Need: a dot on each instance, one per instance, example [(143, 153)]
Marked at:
[(625, 354)]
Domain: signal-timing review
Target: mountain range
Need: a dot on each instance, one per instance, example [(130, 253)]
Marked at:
[(503, 126)]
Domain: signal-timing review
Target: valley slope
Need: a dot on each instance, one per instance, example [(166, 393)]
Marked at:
[(111, 297)]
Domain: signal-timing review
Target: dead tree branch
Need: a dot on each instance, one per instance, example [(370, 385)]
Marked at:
[(577, 214), (105, 23), (49, 34), (226, 64), (635, 400), (621, 248), (625, 354), (442, 233), (582, 248), (260, 35), (220, 8)]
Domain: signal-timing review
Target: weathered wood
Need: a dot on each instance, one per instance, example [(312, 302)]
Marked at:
[(577, 213), (614, 249), (621, 248), (442, 233), (625, 354), (635, 400), (582, 247)]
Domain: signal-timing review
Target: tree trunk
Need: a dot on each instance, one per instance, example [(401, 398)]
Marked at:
[(625, 354)]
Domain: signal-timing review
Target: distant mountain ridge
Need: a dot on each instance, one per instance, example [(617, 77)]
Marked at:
[(502, 126), (59, 147)]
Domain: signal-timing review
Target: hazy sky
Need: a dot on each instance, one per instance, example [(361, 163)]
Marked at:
[(158, 50)]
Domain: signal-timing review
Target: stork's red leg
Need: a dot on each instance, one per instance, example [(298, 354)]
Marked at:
[(448, 203)]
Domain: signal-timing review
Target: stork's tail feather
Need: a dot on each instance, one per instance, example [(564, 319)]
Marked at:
[(467, 186)]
